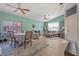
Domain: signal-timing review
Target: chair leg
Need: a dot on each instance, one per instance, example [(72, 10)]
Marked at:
[(21, 44), (14, 44), (11, 43), (30, 43), (24, 44)]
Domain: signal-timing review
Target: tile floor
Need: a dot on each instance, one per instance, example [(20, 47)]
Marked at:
[(41, 47)]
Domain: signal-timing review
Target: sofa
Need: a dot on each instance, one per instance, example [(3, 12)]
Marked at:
[(3, 37), (56, 34), (48, 34)]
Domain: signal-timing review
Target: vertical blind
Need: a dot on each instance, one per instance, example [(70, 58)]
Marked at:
[(12, 26)]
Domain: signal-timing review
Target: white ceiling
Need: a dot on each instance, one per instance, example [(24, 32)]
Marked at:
[(37, 10)]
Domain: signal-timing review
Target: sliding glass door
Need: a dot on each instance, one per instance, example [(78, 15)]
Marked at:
[(12, 26)]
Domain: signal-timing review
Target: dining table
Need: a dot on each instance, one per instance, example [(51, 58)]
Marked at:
[(19, 37)]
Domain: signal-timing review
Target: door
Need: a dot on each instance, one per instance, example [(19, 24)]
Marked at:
[(71, 27)]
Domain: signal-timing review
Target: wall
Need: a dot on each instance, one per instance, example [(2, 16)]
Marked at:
[(27, 23), (78, 25), (57, 19)]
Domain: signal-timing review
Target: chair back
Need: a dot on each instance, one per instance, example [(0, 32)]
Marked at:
[(28, 35), (11, 33)]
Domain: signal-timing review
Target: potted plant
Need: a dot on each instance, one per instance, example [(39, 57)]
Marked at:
[(33, 26)]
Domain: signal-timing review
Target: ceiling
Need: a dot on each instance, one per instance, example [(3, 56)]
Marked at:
[(37, 10)]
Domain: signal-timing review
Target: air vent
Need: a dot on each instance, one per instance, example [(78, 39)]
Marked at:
[(71, 11)]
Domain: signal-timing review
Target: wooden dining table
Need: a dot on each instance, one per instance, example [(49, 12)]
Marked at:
[(19, 37)]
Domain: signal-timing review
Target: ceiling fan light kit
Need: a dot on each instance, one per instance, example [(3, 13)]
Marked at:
[(45, 17)]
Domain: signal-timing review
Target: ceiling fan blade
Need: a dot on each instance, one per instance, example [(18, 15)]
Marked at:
[(22, 11), (15, 10), (11, 6), (26, 9)]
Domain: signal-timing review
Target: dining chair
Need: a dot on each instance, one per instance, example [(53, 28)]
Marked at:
[(0, 37), (4, 36), (13, 39), (28, 38)]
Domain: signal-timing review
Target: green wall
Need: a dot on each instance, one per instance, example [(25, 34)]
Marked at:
[(27, 23), (57, 19)]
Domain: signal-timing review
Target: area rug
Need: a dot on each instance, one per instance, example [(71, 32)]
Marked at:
[(29, 51)]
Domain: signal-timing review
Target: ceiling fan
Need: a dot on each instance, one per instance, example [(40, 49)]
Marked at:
[(18, 8), (45, 17)]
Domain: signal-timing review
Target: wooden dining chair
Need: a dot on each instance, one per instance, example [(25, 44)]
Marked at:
[(28, 38), (13, 39)]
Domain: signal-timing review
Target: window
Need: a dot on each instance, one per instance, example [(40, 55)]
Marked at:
[(71, 11), (53, 26), (12, 26)]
